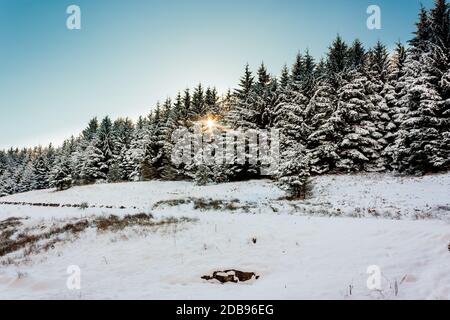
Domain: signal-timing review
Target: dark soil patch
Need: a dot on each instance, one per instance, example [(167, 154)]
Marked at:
[(234, 276)]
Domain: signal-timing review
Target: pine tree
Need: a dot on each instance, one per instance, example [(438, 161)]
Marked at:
[(244, 114), (290, 121), (337, 62), (3, 168), (391, 94), (309, 78), (264, 98), (60, 176), (303, 74), (377, 83), (94, 167), (154, 137), (8, 185), (297, 70), (98, 156), (397, 63), (422, 143), (284, 78), (320, 114), (212, 105), (105, 141), (283, 91), (419, 148), (28, 177), (174, 122), (357, 55), (186, 105), (294, 172), (378, 63), (359, 148), (320, 72), (323, 139), (198, 106), (91, 130), (439, 18), (122, 133), (422, 35), (134, 155), (41, 170), (226, 103)]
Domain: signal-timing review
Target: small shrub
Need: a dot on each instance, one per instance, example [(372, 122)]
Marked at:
[(171, 203), (299, 187), (84, 206)]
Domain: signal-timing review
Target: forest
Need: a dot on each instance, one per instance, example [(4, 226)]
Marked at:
[(355, 110)]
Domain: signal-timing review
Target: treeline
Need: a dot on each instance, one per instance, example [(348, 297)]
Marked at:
[(354, 110)]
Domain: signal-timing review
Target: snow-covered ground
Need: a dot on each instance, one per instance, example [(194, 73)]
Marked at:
[(314, 249)]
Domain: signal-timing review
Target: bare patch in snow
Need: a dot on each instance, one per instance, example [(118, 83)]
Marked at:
[(203, 204)]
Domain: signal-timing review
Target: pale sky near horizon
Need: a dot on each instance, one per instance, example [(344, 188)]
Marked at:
[(129, 54)]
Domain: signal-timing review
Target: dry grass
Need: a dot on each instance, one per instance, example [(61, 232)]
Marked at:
[(204, 204), (28, 241), (115, 223), (172, 203), (39, 238), (10, 223)]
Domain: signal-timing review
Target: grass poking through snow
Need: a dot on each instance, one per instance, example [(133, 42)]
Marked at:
[(14, 237)]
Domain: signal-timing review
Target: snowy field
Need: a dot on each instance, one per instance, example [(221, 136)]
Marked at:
[(314, 249)]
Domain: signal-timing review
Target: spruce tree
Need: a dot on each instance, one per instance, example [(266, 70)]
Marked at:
[(391, 94), (337, 62), (134, 155), (297, 70), (122, 133), (309, 81), (61, 175), (422, 35), (439, 18), (212, 105), (263, 98), (323, 139), (294, 172), (186, 105), (244, 113), (422, 143), (198, 106), (419, 147), (357, 55), (41, 169), (359, 148)]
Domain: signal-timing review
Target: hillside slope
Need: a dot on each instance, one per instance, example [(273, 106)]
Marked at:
[(296, 255)]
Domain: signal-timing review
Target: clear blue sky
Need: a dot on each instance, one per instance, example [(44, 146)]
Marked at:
[(130, 53)]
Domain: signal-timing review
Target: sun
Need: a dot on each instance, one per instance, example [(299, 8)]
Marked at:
[(210, 123)]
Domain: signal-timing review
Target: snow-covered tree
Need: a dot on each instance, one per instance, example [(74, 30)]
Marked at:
[(294, 172), (41, 171), (244, 113), (61, 175), (356, 131), (422, 143)]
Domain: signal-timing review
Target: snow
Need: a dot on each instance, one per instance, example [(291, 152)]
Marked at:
[(146, 194), (297, 255), (389, 195)]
